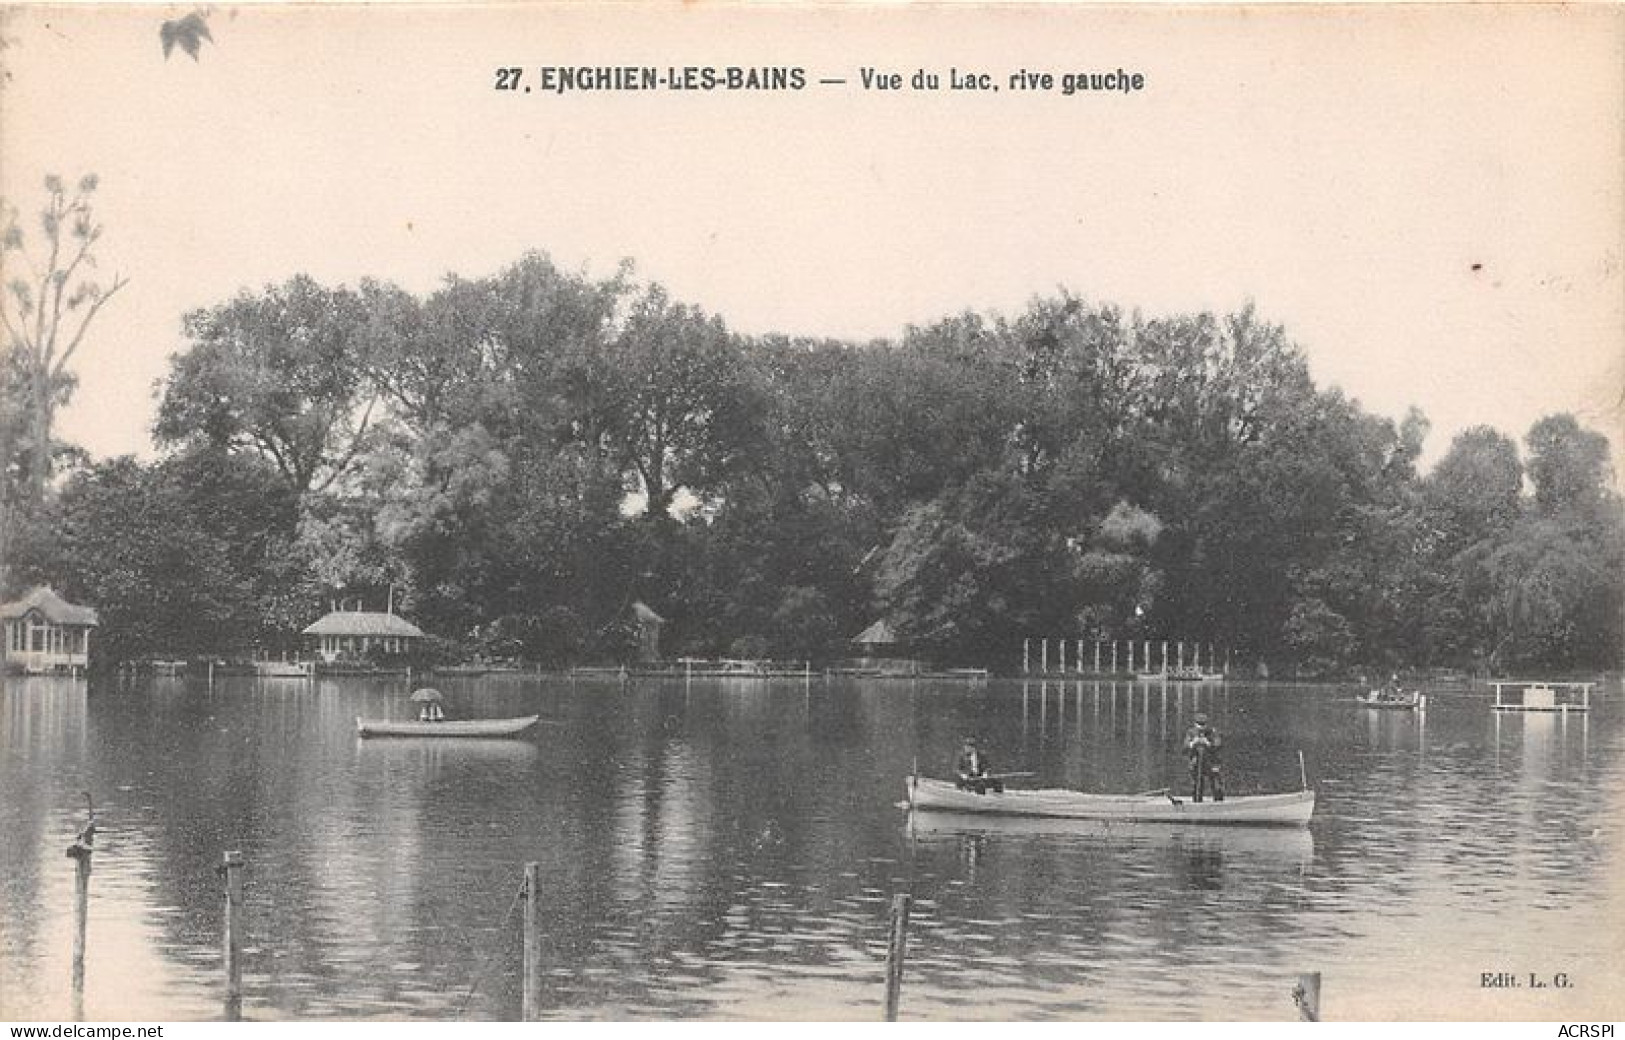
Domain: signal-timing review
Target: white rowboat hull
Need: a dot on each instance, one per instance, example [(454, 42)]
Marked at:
[(1288, 810), (449, 728)]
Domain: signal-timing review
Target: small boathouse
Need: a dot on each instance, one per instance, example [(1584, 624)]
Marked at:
[(45, 633)]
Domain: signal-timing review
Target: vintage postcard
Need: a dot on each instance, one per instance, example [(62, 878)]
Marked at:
[(696, 512)]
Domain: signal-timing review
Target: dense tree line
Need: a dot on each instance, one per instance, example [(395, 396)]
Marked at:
[(518, 458)]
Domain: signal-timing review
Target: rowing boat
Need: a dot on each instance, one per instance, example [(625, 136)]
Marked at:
[(449, 728), (1409, 700), (1291, 809)]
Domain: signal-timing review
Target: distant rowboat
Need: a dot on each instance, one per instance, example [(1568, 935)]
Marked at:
[(448, 728), (1408, 700), (1290, 809)]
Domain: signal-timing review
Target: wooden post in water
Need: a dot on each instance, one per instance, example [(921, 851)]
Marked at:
[(1061, 646), (231, 867), (1026, 656), (531, 1002), (1114, 657), (81, 908), (1043, 656), (1306, 994), (900, 904)]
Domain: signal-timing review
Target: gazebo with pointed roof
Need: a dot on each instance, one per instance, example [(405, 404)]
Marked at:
[(875, 636)]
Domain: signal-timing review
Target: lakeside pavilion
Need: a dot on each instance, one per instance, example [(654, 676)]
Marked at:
[(350, 635), (45, 633)]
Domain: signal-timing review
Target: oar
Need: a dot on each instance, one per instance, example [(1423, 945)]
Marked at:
[(1004, 776)]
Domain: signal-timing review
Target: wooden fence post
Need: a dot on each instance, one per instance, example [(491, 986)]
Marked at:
[(1306, 994), (81, 909), (530, 1005), (900, 904), (231, 867)]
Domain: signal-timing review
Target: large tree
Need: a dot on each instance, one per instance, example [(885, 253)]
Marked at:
[(51, 298), (1568, 466), (669, 398), (285, 374)]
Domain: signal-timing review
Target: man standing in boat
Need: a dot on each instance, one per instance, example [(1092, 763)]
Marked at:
[(1202, 744), (974, 770)]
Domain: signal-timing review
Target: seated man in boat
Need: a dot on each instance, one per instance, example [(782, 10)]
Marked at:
[(974, 770), (1202, 744)]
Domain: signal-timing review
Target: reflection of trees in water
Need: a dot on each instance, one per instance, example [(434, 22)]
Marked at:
[(699, 826), (1048, 890), (42, 720)]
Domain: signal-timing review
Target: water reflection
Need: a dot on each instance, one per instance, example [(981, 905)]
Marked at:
[(1285, 848), (729, 850)]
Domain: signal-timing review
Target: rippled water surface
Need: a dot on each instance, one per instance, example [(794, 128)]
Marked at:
[(729, 849)]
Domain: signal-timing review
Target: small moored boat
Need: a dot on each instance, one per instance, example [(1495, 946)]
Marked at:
[(467, 671), (1292, 809), (448, 728), (281, 670), (1403, 700)]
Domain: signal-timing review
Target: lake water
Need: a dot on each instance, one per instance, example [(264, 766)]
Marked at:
[(728, 849)]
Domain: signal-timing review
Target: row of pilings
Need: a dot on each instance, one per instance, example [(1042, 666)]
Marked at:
[(1118, 657)]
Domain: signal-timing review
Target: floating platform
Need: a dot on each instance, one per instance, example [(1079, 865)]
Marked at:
[(1537, 695)]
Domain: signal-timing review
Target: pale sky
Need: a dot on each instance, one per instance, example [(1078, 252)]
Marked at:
[(1345, 168)]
